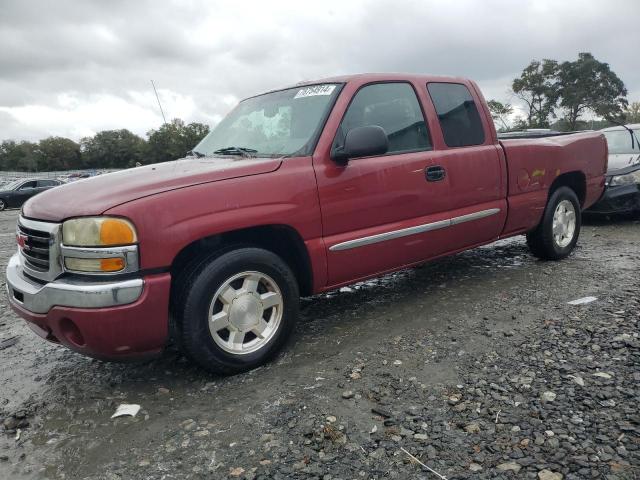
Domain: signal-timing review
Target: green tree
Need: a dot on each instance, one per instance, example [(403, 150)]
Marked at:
[(58, 153), (112, 149), (537, 88), (588, 85), (632, 113), (500, 113), (18, 156), (173, 140)]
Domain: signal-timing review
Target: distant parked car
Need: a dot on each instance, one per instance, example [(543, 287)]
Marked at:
[(14, 194), (622, 193), (530, 133), (77, 176)]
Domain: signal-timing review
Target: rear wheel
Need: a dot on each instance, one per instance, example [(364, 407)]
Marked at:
[(235, 309), (3, 204), (557, 234)]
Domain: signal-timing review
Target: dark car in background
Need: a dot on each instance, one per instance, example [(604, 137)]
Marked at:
[(15, 193), (622, 193)]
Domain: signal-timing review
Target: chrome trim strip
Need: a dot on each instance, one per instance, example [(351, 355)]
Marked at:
[(39, 298), (474, 216), (383, 237), (427, 227), (37, 225)]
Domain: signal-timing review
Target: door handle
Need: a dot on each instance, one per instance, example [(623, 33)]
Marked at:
[(435, 173)]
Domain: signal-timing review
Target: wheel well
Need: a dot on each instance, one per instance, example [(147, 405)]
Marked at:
[(282, 240), (576, 181)]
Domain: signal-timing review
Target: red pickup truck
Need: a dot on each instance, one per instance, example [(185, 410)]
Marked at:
[(296, 192)]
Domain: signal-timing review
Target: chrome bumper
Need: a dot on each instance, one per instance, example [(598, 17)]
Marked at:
[(38, 298)]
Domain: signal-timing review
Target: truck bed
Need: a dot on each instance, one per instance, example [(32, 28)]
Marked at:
[(533, 164)]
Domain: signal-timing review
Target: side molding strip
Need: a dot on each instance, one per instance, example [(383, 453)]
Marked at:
[(427, 227)]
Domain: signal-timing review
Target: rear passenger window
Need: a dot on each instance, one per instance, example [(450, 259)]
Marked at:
[(395, 108), (459, 118)]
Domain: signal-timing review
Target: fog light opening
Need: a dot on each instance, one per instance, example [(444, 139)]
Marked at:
[(71, 332)]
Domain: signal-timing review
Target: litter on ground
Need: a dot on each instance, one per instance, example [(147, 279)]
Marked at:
[(582, 301), (126, 409)]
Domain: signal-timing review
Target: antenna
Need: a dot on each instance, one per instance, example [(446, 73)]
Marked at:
[(159, 104)]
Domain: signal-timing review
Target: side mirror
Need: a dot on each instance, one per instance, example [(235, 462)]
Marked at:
[(362, 142)]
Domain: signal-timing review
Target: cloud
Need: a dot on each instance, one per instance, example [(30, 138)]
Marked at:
[(70, 68)]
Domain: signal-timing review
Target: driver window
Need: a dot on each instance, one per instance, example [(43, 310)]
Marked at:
[(395, 108), (28, 185)]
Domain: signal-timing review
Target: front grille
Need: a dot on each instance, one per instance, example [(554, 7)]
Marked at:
[(36, 248), (39, 245)]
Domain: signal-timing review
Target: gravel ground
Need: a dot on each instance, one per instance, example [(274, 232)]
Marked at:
[(474, 366)]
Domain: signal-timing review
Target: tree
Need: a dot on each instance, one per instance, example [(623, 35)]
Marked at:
[(18, 156), (537, 88), (173, 140), (112, 149), (632, 113), (590, 85), (58, 153), (500, 113)]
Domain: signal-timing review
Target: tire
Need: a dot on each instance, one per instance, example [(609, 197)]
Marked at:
[(542, 241), (3, 204), (232, 286)]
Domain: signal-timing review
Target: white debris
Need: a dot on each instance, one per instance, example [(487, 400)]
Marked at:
[(126, 409), (577, 379), (602, 375), (582, 301), (548, 396), (346, 289)]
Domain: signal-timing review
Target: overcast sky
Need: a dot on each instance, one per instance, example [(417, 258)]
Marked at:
[(73, 68)]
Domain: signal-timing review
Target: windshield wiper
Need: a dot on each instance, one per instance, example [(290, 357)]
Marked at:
[(245, 152), (195, 153)]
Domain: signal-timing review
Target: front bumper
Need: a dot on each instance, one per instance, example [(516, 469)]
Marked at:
[(109, 320), (618, 199), (38, 298)]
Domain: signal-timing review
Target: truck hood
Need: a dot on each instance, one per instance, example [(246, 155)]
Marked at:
[(94, 196), (618, 161)]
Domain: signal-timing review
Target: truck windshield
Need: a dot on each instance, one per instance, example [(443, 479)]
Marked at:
[(619, 141), (275, 124)]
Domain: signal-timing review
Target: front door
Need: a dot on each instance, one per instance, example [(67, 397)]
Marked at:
[(24, 193), (382, 212)]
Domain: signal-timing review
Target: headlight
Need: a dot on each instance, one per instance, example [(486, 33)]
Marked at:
[(98, 232), (98, 245), (627, 179)]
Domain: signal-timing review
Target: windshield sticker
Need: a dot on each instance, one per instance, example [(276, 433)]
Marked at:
[(315, 90)]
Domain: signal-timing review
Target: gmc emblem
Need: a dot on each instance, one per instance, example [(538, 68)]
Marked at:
[(22, 241)]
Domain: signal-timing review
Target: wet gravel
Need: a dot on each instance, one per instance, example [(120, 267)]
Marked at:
[(473, 366)]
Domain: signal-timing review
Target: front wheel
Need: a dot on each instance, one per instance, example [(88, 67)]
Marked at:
[(235, 310), (557, 234), (3, 204)]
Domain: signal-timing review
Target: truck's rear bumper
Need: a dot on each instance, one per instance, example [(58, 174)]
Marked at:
[(110, 320)]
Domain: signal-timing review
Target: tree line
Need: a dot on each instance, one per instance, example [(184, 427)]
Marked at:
[(106, 149), (558, 94)]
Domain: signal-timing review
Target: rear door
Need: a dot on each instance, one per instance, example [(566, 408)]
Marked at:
[(474, 163), (47, 184), (381, 212)]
